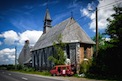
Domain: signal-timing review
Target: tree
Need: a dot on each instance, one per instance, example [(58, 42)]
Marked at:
[(108, 62), (58, 58), (101, 41), (114, 29)]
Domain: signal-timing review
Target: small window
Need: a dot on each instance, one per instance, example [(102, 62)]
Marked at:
[(85, 52)]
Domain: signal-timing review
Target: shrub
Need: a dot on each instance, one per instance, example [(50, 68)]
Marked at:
[(85, 65), (28, 69), (45, 73)]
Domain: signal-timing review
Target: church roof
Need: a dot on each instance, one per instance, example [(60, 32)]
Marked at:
[(69, 29), (25, 54), (47, 15)]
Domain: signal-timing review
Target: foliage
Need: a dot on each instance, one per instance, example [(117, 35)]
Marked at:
[(23, 69), (85, 65), (102, 42), (108, 61), (114, 29), (28, 69), (58, 58), (10, 67), (47, 73)]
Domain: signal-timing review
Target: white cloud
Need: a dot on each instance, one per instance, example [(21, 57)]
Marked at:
[(32, 36), (103, 14), (106, 39), (7, 56), (9, 37), (85, 12), (12, 37), (90, 6)]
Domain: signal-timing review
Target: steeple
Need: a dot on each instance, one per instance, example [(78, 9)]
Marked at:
[(47, 22)]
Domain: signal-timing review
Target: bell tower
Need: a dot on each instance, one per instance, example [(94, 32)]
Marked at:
[(47, 22)]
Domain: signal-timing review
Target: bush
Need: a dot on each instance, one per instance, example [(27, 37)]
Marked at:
[(45, 73), (85, 65), (28, 69), (19, 67), (10, 67)]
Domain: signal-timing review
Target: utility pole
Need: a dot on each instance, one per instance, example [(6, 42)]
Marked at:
[(97, 32), (15, 57)]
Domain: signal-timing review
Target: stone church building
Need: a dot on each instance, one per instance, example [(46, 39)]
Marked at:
[(25, 55), (78, 43)]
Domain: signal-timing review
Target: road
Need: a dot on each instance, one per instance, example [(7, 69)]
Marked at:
[(15, 76)]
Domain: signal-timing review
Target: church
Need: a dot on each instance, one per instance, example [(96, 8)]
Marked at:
[(78, 44), (25, 55)]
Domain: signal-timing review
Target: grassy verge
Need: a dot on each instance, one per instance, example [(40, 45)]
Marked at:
[(44, 73)]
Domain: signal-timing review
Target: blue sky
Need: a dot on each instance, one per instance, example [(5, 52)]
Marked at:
[(23, 19)]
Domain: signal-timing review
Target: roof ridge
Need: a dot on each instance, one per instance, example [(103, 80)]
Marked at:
[(61, 22)]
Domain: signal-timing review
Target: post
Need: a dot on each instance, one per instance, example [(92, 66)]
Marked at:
[(96, 32), (15, 57)]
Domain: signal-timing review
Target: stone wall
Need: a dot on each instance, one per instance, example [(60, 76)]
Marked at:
[(76, 50)]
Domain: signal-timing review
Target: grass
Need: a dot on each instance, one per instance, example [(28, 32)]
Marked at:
[(44, 73)]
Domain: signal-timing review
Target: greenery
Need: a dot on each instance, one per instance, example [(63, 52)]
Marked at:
[(58, 58), (85, 65), (23, 69), (108, 62)]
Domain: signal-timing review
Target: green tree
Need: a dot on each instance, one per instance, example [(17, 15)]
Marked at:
[(114, 29), (101, 41), (108, 62), (58, 58)]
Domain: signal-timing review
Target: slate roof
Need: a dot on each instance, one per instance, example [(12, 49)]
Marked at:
[(25, 55), (47, 15), (70, 31)]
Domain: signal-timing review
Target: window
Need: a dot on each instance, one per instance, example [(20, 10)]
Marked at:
[(85, 51)]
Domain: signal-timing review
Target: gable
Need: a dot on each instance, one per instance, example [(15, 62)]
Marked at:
[(74, 33)]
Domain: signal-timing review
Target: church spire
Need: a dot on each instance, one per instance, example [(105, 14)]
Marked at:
[(47, 15), (47, 22)]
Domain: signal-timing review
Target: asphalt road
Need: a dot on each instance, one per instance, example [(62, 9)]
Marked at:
[(15, 76)]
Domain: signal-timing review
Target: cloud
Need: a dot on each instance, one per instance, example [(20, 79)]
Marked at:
[(102, 23), (85, 12), (103, 14), (11, 37), (7, 56), (31, 35)]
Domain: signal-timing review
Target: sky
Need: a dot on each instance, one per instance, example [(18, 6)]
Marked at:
[(22, 20)]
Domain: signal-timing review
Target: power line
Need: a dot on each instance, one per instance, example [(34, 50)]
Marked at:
[(115, 2)]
